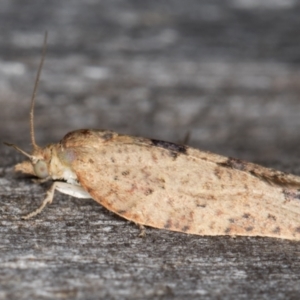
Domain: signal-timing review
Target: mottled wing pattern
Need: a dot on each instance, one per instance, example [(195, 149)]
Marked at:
[(178, 188)]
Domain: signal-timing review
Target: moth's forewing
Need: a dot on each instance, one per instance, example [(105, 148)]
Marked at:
[(178, 188)]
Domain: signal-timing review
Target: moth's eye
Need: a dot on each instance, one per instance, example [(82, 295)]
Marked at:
[(40, 169)]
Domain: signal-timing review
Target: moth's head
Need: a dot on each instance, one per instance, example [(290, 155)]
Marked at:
[(38, 164)]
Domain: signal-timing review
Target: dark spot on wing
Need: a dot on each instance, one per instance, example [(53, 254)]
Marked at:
[(249, 228), (85, 131), (185, 228), (271, 177), (218, 173), (276, 177), (246, 215), (168, 224), (89, 190), (234, 163), (107, 135), (271, 217), (227, 230), (291, 194), (276, 230), (148, 192), (161, 183), (174, 148), (177, 225), (125, 173), (173, 154), (297, 229)]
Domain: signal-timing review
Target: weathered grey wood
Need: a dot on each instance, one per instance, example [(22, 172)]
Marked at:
[(228, 71)]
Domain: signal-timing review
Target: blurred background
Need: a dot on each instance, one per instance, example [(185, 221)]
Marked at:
[(226, 71)]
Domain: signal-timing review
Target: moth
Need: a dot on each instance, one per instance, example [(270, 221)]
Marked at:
[(166, 185)]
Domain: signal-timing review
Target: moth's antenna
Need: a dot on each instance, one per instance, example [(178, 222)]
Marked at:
[(18, 149), (35, 146)]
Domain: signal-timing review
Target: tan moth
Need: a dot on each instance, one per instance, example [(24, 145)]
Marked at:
[(165, 185)]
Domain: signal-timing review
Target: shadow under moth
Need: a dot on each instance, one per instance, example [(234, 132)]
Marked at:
[(165, 185)]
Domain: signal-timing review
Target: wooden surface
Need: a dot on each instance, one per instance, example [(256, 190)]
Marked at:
[(227, 71)]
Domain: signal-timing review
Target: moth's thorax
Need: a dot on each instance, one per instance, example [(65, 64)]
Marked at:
[(87, 137), (60, 166)]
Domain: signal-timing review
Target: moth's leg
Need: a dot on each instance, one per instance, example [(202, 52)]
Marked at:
[(40, 180), (142, 230), (48, 199), (63, 187)]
